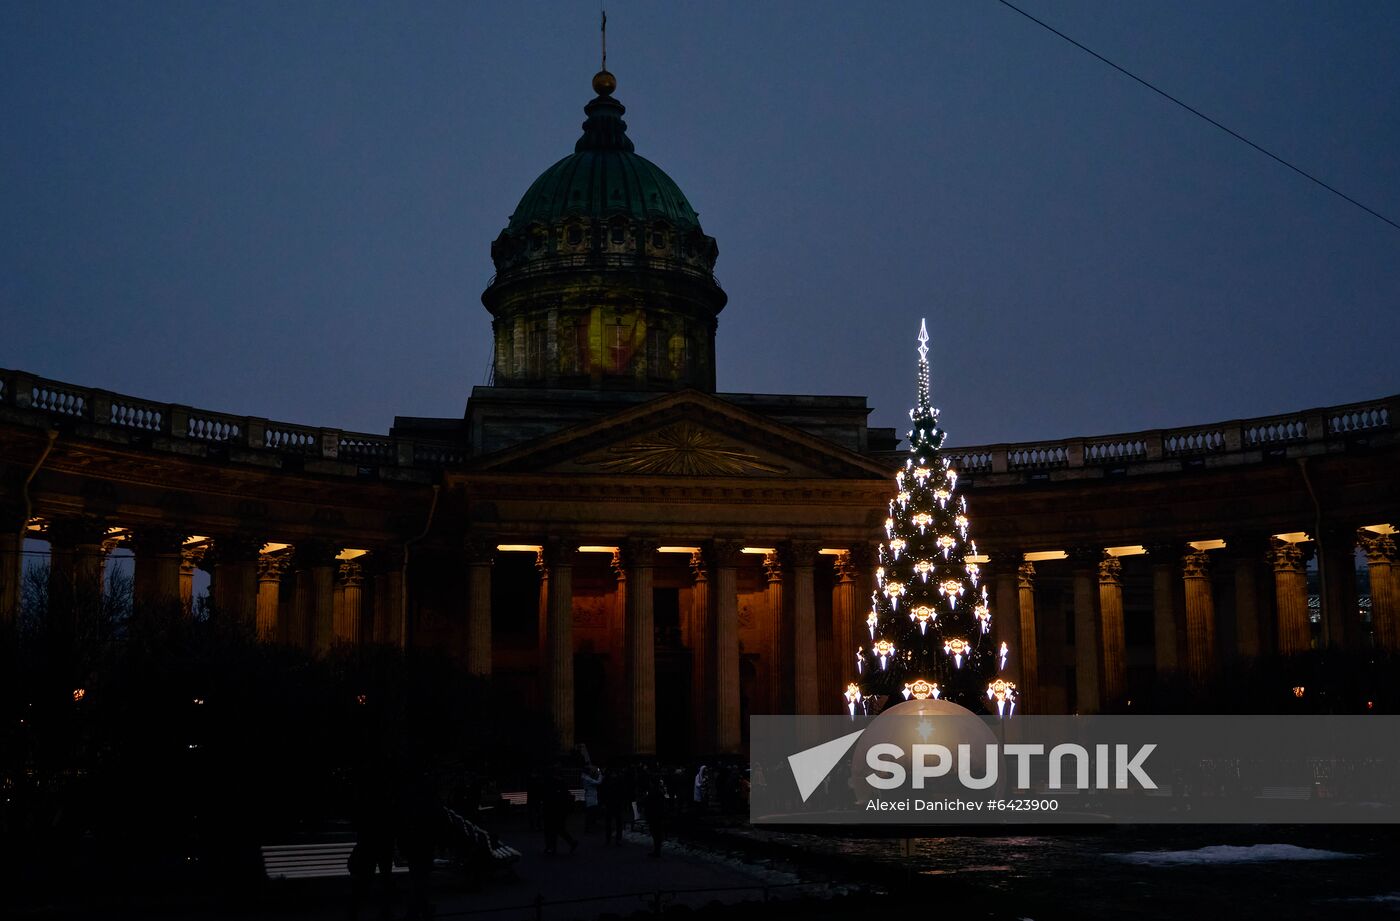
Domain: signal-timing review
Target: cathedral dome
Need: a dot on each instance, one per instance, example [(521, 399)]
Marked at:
[(604, 277), (604, 177)]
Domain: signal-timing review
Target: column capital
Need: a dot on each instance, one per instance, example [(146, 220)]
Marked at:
[(799, 552), (1085, 557), (1025, 575), (235, 548), (558, 552), (1286, 557), (157, 540), (192, 557), (844, 567), (1379, 548), (699, 567), (639, 551), (1251, 544), (271, 567), (310, 554), (1000, 562), (723, 552), (351, 573), (479, 548), (1110, 571), (1195, 564), (773, 566), (387, 558), (1165, 552), (78, 531)]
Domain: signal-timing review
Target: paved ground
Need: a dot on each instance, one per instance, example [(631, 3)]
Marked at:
[(595, 879)]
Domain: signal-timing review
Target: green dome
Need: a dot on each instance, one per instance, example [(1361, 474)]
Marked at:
[(602, 178)]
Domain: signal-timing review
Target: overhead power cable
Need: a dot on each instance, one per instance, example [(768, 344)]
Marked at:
[(1201, 115)]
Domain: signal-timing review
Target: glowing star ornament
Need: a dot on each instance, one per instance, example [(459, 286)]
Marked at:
[(853, 697), (885, 651), (920, 690), (902, 497), (889, 526), (946, 543), (951, 589), (921, 614), (923, 520), (974, 572), (1004, 693), (892, 591), (897, 545), (962, 522), (957, 649), (983, 612), (942, 495), (922, 474), (1002, 653), (872, 621), (923, 568)]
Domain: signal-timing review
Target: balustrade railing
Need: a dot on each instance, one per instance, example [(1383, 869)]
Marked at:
[(144, 417)]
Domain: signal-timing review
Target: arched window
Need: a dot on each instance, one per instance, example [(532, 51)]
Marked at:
[(618, 233), (574, 235)]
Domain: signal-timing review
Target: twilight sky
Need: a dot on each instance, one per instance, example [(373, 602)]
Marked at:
[(285, 209)]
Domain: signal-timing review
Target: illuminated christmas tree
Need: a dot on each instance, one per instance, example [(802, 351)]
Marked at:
[(930, 617)]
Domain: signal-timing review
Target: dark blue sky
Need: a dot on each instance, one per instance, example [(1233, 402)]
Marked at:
[(285, 209)]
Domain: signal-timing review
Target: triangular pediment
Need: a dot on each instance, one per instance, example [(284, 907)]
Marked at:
[(688, 434)]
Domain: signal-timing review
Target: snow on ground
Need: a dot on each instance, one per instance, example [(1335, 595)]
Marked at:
[(1219, 854)]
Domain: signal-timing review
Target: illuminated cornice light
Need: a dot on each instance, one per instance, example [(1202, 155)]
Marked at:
[(1132, 550), (519, 548), (1293, 537), (1379, 528), (979, 558), (1041, 555), (598, 549), (195, 539), (759, 550), (274, 548), (350, 553), (689, 550), (1215, 544), (831, 551)]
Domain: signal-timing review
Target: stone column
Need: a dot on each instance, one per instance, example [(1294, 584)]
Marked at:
[(317, 564), (390, 611), (12, 526), (1006, 603), (156, 580), (1291, 597), (1340, 614), (801, 556), (1247, 553), (1115, 665), (349, 626), (270, 570), (191, 558), (724, 560), (1166, 606), (235, 561), (1088, 686), (1380, 566), (75, 576), (1200, 616), (480, 553), (1028, 652), (558, 557), (777, 637), (847, 621), (639, 557), (702, 639)]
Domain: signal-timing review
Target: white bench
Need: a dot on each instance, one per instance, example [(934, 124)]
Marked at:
[(309, 861)]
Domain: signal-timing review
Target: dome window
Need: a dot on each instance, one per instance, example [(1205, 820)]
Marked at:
[(658, 237), (618, 233), (574, 235)]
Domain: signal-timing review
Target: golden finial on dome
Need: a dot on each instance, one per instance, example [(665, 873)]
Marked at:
[(603, 82)]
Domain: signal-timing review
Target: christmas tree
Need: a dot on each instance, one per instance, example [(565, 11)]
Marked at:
[(930, 617)]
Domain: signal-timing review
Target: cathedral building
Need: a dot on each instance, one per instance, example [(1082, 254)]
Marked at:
[(648, 559)]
